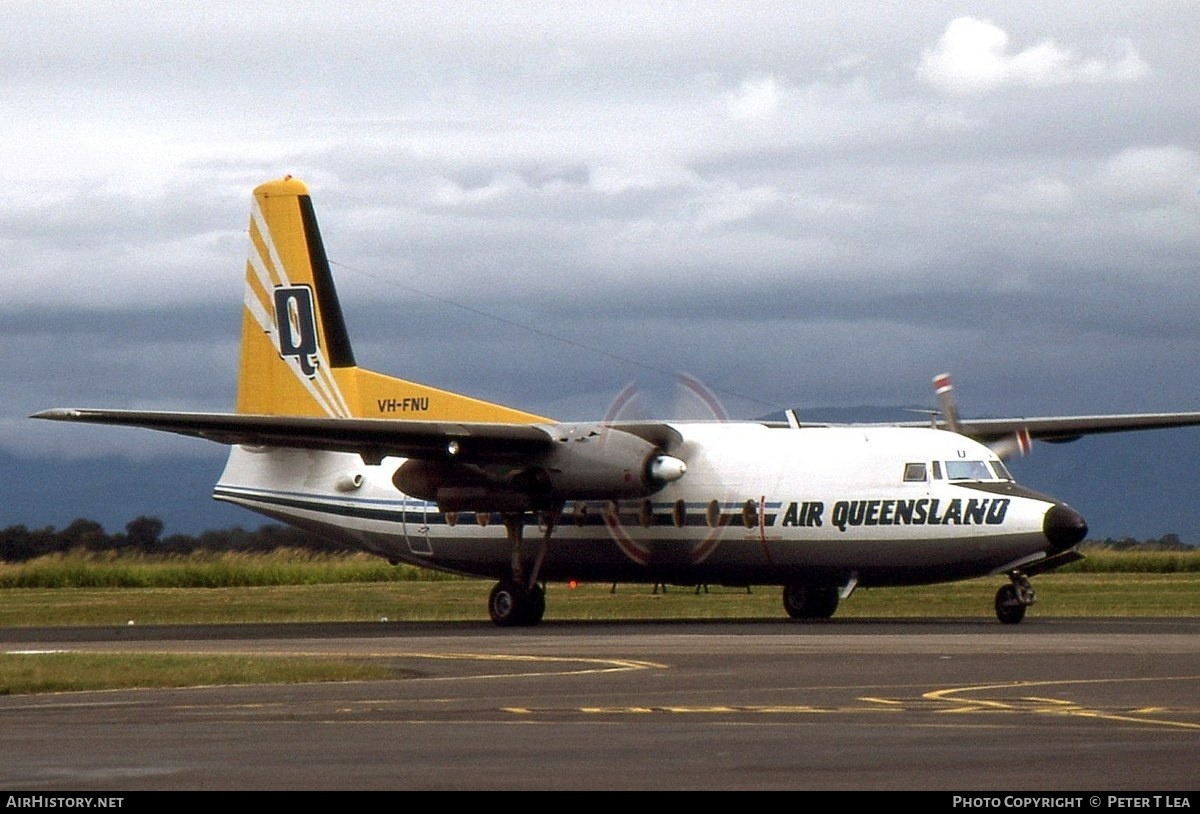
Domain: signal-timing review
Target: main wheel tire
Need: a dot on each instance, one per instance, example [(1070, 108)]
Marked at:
[(510, 604), (507, 604), (822, 603), (537, 605), (1009, 608), (803, 602), (795, 600)]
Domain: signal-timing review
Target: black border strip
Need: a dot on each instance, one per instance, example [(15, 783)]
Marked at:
[(337, 338)]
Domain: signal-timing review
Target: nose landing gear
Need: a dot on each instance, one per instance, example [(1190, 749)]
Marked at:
[(1013, 599)]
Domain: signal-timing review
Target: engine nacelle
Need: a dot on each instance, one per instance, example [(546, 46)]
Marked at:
[(609, 464), (600, 464), (459, 487)]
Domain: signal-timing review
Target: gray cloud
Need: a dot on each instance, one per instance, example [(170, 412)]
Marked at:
[(800, 204)]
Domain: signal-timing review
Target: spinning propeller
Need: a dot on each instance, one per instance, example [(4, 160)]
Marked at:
[(1018, 444), (630, 414), (693, 401)]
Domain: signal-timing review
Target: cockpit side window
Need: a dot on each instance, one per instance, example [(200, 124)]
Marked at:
[(914, 472), (968, 470), (1001, 471)]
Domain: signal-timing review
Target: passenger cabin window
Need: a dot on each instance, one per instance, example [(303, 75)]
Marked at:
[(914, 472), (967, 470)]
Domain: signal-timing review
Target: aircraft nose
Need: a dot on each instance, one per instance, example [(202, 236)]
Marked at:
[(1063, 526)]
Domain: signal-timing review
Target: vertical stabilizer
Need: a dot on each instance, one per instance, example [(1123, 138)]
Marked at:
[(296, 357)]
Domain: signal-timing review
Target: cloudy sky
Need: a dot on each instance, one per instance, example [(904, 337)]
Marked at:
[(799, 204)]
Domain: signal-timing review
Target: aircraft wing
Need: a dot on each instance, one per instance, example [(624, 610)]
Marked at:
[(373, 438), (485, 442), (1051, 429), (1069, 428), (469, 466)]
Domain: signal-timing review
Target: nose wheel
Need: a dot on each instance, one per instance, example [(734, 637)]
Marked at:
[(1014, 599)]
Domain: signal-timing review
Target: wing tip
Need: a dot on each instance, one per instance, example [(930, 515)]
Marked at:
[(58, 414)]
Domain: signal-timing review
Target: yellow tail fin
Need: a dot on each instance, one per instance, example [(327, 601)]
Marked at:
[(296, 357)]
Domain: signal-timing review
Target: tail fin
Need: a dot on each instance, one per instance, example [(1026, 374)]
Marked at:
[(296, 356)]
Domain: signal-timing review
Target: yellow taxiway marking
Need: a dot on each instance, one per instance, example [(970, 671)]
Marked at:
[(713, 709), (1038, 705), (945, 701)]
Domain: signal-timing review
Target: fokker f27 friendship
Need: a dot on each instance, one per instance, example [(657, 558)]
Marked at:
[(443, 481)]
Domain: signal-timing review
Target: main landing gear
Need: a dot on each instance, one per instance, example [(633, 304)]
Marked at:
[(519, 600), (513, 604), (804, 602), (1013, 599)]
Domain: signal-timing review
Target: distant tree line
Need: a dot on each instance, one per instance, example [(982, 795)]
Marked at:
[(144, 534), (1168, 542)]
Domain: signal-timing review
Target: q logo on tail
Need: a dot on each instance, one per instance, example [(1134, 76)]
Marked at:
[(296, 326)]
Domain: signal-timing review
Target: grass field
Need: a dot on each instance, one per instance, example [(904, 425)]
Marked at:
[(85, 588), (103, 590)]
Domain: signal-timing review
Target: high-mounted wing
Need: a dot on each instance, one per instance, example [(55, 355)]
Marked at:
[(1013, 436), (1061, 429), (1009, 436), (373, 438), (468, 466)]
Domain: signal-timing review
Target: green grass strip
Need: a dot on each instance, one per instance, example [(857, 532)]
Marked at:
[(39, 672)]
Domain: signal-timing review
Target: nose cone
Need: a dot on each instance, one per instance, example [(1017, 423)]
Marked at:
[(1064, 527)]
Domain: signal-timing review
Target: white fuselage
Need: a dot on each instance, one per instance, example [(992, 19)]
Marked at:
[(759, 504)]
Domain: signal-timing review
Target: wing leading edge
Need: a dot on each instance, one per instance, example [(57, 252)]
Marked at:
[(474, 442), (498, 442), (1060, 429), (373, 438), (467, 466), (1011, 435)]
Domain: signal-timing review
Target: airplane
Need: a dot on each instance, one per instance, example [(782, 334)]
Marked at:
[(448, 482)]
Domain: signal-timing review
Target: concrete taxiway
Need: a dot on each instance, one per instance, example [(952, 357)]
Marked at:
[(954, 705)]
